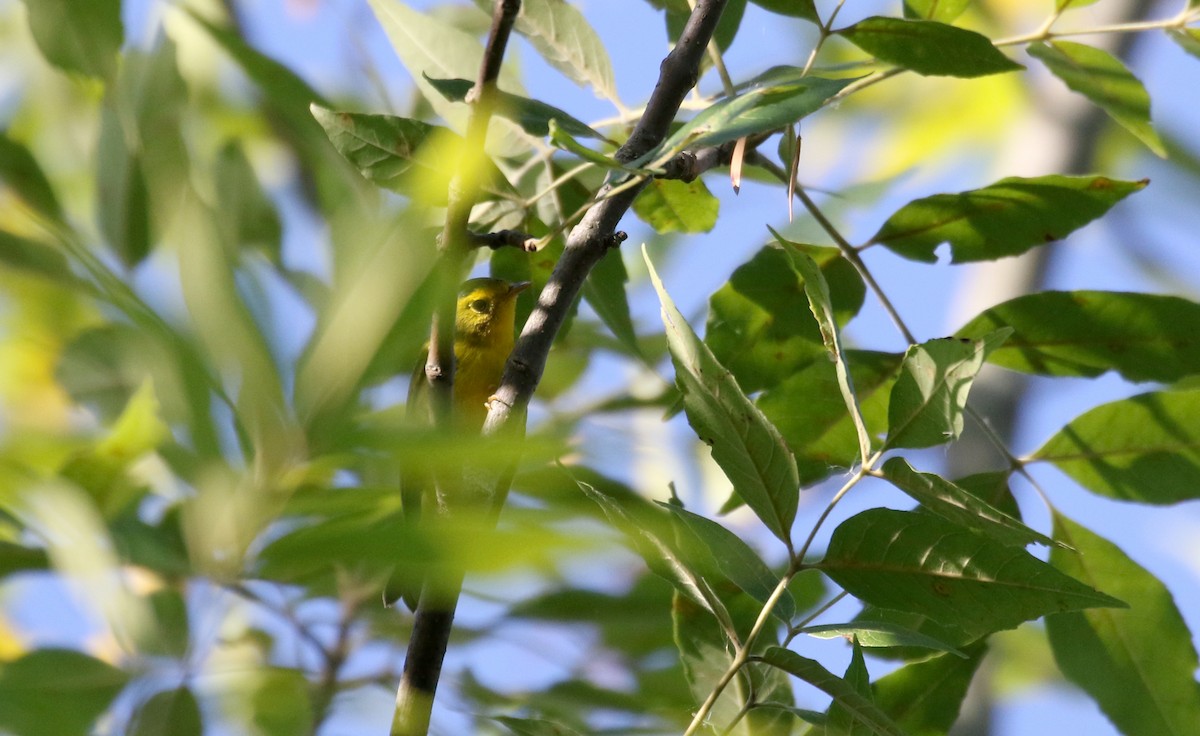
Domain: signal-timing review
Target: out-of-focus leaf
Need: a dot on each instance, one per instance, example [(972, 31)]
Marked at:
[(16, 558), (805, 9), (56, 692), (21, 172), (776, 98), (81, 37), (743, 441), (879, 634), (534, 727), (809, 411), (848, 698), (533, 116), (735, 560), (760, 325), (281, 704), (174, 712), (1103, 79), (943, 11), (924, 698), (247, 216), (671, 205), (955, 504), (35, 258), (917, 562), (929, 398), (1139, 665), (124, 207), (604, 290), (1144, 449), (928, 47), (1144, 337), (1187, 38), (565, 39), (1003, 219)]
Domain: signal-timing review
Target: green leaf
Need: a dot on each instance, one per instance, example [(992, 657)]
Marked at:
[(957, 505), (35, 690), (928, 47), (917, 562), (943, 11), (992, 487), (929, 398), (743, 442), (1003, 219), (21, 172), (281, 704), (81, 37), (403, 155), (734, 559), (604, 290), (810, 413), (1144, 449), (1103, 79), (760, 324), (16, 558), (123, 209), (1144, 337), (565, 39), (844, 693), (925, 697), (774, 99), (841, 720), (534, 726), (678, 12), (35, 258), (1187, 38), (821, 305), (172, 711), (248, 217), (671, 205), (1138, 664), (879, 634), (560, 138), (805, 9), (921, 624), (533, 116)]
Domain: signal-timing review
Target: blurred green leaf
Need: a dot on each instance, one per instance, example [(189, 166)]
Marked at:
[(879, 634), (1144, 337), (805, 9), (743, 441), (15, 558), (36, 690), (1103, 79), (533, 116), (174, 712), (1003, 219), (1145, 449), (929, 397), (848, 698), (123, 209), (671, 205), (81, 37), (1139, 665), (943, 11), (246, 215), (811, 415), (957, 505), (760, 325), (1187, 38), (534, 727), (281, 705), (24, 176), (910, 561), (928, 47), (924, 698), (33, 257)]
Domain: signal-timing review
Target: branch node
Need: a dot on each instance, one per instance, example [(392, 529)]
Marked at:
[(615, 240)]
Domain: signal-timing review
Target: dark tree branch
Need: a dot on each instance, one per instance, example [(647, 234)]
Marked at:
[(594, 234), (505, 239), (434, 616)]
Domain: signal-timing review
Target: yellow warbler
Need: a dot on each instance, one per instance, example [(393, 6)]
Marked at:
[(483, 338)]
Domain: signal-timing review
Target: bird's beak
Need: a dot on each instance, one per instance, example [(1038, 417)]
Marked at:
[(517, 288)]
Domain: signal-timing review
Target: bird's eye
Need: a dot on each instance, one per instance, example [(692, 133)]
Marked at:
[(480, 305)]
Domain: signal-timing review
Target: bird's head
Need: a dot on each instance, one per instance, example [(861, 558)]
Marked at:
[(486, 309)]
